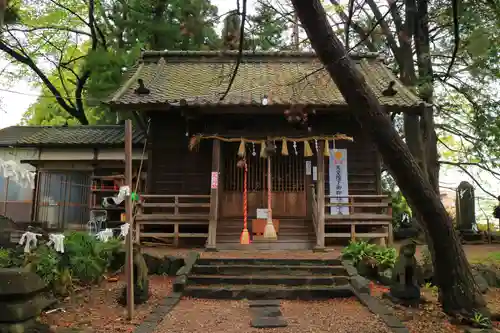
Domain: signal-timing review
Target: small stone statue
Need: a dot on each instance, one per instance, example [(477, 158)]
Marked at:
[(140, 278), (406, 276)]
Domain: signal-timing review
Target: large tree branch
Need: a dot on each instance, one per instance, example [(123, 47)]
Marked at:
[(458, 292), (391, 41), (31, 64), (479, 165), (49, 27)]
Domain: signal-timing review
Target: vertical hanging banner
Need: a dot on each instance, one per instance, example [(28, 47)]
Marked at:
[(339, 186)]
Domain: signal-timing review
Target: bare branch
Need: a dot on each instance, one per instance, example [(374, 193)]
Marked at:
[(240, 49)]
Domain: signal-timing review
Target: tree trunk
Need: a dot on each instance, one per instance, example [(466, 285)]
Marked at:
[(459, 293)]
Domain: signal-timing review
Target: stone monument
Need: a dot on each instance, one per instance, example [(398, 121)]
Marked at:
[(465, 207), (21, 301), (406, 276), (140, 279)]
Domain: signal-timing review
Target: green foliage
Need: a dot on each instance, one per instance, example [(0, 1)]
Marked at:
[(398, 201), (45, 262), (127, 27), (85, 260), (426, 256), (384, 257), (267, 28), (4, 258), (480, 320), (86, 257)]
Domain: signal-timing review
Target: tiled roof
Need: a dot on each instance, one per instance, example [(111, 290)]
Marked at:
[(201, 77), (9, 136), (72, 135)]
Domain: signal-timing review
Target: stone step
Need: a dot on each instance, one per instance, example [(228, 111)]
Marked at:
[(269, 261), (252, 292), (267, 269), (285, 280)]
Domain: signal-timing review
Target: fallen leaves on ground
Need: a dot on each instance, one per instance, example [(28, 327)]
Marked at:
[(428, 317), (337, 315), (96, 308)]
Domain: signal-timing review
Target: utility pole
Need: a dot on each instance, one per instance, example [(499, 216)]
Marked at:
[(129, 257)]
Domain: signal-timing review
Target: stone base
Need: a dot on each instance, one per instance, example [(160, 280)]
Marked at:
[(211, 249), (30, 325), (409, 302), (141, 295), (319, 249), (269, 322), (267, 314)]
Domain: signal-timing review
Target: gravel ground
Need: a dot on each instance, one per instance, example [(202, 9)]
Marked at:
[(96, 309), (340, 316)]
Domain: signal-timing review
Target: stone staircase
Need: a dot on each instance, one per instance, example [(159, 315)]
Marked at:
[(268, 279)]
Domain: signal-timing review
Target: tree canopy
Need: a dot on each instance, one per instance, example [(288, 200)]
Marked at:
[(77, 52)]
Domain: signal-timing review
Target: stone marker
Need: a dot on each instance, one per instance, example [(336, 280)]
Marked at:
[(266, 314), (406, 276), (21, 301)]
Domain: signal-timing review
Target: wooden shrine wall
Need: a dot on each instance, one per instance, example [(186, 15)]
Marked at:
[(174, 169)]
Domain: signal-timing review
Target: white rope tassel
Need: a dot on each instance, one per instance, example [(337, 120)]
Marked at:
[(124, 228), (29, 240), (105, 235), (58, 241)]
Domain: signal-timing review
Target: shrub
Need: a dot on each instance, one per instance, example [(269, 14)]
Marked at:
[(85, 259), (384, 257), (5, 261), (357, 251)]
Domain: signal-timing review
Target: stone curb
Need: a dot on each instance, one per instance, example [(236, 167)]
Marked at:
[(358, 282), (386, 314), (361, 289), (154, 318), (181, 280)]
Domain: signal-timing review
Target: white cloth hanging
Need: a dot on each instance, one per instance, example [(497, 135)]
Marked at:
[(105, 235), (57, 240), (123, 192), (17, 173), (29, 240), (124, 228)]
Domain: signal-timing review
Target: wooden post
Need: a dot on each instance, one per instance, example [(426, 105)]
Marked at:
[(129, 266), (320, 186), (214, 198), (308, 185), (390, 229)]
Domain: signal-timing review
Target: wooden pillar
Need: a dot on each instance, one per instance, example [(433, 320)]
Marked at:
[(320, 188), (307, 188), (214, 198), (128, 211)]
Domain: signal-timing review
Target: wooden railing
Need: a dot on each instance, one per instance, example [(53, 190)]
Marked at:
[(366, 211), (171, 210), (374, 204)]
